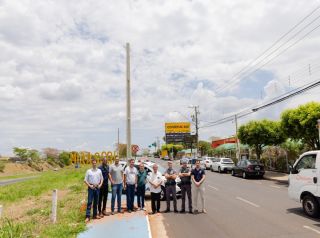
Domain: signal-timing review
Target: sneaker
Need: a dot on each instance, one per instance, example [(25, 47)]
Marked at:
[(204, 211), (112, 213), (129, 211), (105, 213), (195, 211)]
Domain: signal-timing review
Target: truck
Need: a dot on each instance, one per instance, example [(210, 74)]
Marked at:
[(304, 181)]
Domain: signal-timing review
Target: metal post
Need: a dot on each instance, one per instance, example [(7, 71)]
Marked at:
[(238, 153), (1, 208), (129, 155), (197, 127), (54, 205)]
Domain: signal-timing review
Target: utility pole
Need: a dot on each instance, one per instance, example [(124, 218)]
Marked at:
[(118, 147), (238, 152), (129, 155), (195, 119), (319, 131)]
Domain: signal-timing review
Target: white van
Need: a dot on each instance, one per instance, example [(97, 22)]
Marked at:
[(304, 184)]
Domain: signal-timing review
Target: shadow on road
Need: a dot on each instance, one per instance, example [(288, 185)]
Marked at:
[(299, 211)]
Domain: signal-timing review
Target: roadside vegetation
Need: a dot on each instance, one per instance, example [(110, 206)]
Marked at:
[(27, 205)]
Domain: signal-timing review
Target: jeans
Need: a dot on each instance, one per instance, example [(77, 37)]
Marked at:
[(103, 196), (186, 189), (196, 191), (116, 191), (93, 196), (171, 190), (141, 191), (155, 202), (130, 196)]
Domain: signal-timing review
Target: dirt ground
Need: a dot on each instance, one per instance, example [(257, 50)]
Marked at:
[(12, 169)]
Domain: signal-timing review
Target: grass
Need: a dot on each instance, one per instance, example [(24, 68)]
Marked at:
[(35, 220)]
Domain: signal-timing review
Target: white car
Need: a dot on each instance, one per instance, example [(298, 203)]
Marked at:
[(148, 167), (222, 165), (207, 162), (303, 182)]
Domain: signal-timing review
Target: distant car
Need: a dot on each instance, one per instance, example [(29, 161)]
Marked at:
[(248, 168), (222, 165), (192, 163), (207, 162), (148, 167), (166, 158)]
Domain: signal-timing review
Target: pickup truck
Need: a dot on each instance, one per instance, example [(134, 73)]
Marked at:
[(304, 181)]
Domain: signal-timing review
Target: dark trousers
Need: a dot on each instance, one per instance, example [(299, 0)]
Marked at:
[(141, 191), (93, 196), (116, 192), (130, 196), (171, 190), (186, 189), (155, 202), (103, 196)]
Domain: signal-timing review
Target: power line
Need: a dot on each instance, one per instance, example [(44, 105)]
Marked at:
[(246, 70)]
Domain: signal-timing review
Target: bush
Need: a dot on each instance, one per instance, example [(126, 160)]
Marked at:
[(2, 166), (64, 158)]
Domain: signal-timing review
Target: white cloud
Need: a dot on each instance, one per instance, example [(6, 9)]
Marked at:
[(62, 66)]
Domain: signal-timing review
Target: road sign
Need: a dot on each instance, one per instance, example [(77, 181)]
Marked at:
[(177, 127), (135, 148), (176, 137)]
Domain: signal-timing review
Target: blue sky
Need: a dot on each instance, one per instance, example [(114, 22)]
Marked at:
[(62, 67)]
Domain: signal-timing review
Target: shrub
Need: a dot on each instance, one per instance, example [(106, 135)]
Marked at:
[(64, 158), (2, 166)]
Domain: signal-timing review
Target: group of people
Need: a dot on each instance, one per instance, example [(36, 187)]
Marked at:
[(134, 181)]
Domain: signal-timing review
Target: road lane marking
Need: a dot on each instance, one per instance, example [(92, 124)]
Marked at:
[(149, 228), (311, 229), (246, 201), (274, 186), (217, 189)]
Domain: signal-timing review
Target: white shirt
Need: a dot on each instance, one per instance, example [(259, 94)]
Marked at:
[(131, 174), (93, 176), (155, 178)]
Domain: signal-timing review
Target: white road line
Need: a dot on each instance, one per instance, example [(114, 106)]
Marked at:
[(311, 229), (149, 228), (217, 189), (246, 201), (274, 186)]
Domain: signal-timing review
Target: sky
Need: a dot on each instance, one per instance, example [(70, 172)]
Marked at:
[(62, 67)]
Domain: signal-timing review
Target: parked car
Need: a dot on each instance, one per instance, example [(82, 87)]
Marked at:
[(248, 168), (207, 162), (192, 163), (148, 167), (222, 165), (304, 184)]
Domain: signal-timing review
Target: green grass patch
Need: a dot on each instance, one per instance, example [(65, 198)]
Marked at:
[(36, 220)]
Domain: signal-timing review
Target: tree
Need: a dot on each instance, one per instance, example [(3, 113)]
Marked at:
[(172, 148), (300, 124), (204, 147), (64, 158), (22, 153), (258, 134)]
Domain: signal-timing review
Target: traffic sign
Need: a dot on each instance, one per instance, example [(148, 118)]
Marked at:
[(135, 148)]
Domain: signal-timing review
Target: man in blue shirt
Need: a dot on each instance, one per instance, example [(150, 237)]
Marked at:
[(198, 176), (103, 195)]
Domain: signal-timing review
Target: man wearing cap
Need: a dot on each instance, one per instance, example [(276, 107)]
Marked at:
[(170, 186), (93, 179), (185, 176)]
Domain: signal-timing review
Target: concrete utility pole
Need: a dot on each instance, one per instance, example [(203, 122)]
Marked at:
[(195, 119), (238, 153), (319, 131), (118, 147), (129, 155)]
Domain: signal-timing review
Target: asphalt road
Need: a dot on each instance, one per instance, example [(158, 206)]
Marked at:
[(243, 208), (17, 180)]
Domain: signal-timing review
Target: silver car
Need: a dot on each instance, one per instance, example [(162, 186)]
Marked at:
[(222, 165)]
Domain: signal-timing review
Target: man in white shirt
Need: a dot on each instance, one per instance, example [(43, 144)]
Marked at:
[(155, 181), (93, 179), (130, 183)]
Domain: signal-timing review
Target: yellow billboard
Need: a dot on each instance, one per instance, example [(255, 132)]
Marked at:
[(177, 127)]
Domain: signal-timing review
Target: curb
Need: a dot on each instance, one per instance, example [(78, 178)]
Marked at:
[(149, 228), (277, 180)]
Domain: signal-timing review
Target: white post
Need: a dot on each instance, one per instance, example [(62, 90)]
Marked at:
[(118, 147), (129, 155), (1, 208), (54, 205)]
